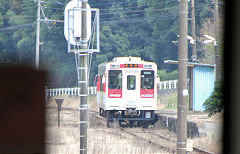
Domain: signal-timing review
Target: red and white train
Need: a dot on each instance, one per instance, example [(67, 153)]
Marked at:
[(127, 90)]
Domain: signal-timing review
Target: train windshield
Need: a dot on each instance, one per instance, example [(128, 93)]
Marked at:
[(115, 79), (147, 79)]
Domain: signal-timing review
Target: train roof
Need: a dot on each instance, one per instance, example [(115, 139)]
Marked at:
[(124, 60), (127, 59)]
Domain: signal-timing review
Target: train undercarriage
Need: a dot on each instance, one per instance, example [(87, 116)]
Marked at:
[(129, 117)]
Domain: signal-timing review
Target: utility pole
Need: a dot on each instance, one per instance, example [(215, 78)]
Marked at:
[(182, 79), (194, 53), (38, 36), (217, 55), (77, 31), (83, 82)]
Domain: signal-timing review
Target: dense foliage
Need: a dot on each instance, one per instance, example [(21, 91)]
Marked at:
[(164, 75), (215, 102), (144, 28)]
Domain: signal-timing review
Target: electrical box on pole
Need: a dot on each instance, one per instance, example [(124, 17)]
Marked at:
[(73, 26), (73, 20)]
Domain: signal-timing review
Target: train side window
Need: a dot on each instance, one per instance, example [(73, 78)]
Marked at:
[(147, 79), (131, 82), (115, 79)]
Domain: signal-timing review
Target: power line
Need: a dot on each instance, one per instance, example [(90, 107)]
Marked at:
[(129, 20), (134, 11), (137, 11), (106, 3), (16, 27), (18, 16), (109, 3), (140, 14), (134, 20), (112, 9), (137, 20), (133, 17), (124, 2), (48, 8), (141, 11), (109, 9), (152, 10), (55, 2), (125, 8), (136, 16)]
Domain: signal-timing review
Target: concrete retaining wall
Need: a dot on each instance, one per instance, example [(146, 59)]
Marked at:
[(171, 124)]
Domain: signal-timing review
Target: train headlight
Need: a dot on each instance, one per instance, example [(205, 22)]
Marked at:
[(148, 114)]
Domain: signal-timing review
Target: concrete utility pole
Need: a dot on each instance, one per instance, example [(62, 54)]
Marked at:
[(217, 55), (77, 31), (182, 79), (38, 36), (83, 81), (194, 54)]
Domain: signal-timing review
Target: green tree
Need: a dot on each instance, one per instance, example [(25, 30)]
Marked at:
[(215, 102)]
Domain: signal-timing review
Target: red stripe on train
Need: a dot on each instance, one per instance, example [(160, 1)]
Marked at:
[(147, 93), (115, 93)]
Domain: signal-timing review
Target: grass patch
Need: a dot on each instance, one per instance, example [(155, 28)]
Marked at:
[(168, 101), (172, 101)]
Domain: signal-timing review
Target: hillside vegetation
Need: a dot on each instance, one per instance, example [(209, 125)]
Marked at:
[(144, 28)]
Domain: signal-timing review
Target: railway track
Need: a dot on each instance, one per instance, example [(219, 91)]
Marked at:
[(137, 135), (169, 143), (146, 135)]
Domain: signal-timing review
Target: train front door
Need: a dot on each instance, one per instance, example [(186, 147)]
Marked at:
[(131, 88)]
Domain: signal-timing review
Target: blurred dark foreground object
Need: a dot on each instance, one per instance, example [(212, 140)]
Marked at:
[(22, 110)]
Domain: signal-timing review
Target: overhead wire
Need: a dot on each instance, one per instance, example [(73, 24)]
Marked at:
[(139, 11), (130, 20), (143, 11), (147, 5), (107, 22), (136, 11), (143, 19), (110, 3), (130, 16), (125, 8), (16, 26), (137, 20)]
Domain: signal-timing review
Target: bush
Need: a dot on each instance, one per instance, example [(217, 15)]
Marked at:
[(164, 75), (215, 102)]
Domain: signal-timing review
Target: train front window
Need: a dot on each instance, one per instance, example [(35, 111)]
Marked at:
[(147, 79), (115, 79), (131, 82)]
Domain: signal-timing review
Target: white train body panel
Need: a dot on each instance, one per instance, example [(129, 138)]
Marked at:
[(131, 93)]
